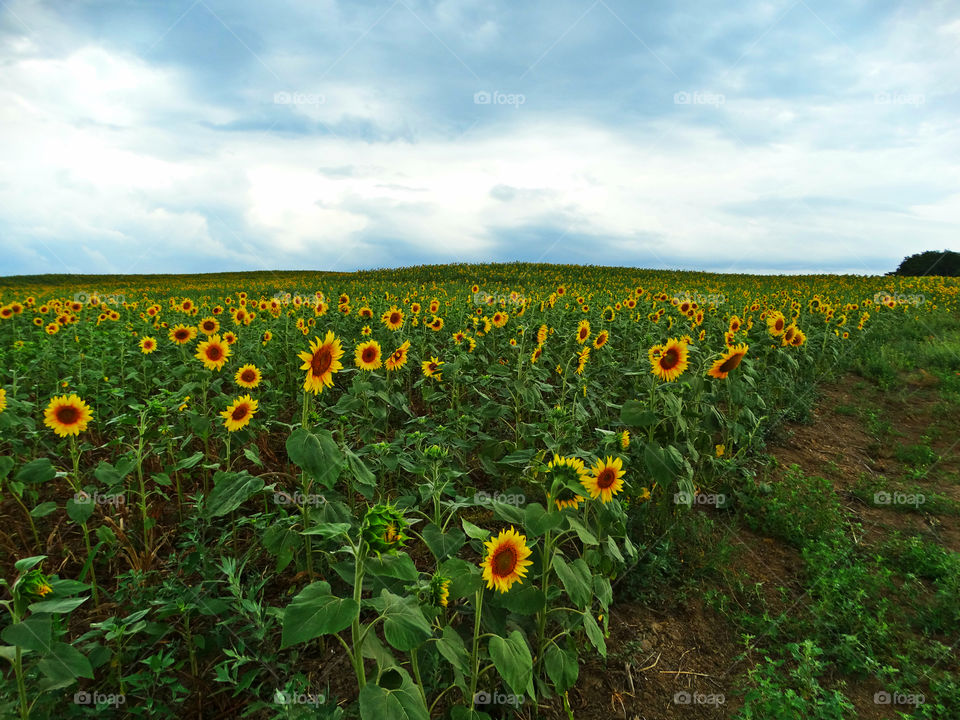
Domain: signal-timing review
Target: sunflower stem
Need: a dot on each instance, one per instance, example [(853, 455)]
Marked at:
[(355, 635), (474, 654)]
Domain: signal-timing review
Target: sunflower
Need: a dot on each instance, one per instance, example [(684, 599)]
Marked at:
[(67, 415), (392, 318), (583, 331), (731, 358), (267, 337), (321, 362), (436, 324), (573, 469), (624, 439), (367, 355), (148, 345), (582, 358), (53, 328), (431, 368), (213, 352), (605, 479), (440, 590), (248, 376), (238, 414), (669, 361), (399, 357), (3, 400), (601, 339), (229, 337), (788, 334), (500, 319), (506, 561), (776, 323), (366, 331), (535, 355), (181, 334), (209, 325)]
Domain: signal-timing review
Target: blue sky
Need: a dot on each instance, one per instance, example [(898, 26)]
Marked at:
[(202, 135)]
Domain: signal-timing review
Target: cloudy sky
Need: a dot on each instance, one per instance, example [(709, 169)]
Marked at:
[(203, 135)]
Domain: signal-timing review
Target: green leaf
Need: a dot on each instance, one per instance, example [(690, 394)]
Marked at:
[(316, 454), (562, 668), (473, 531), (658, 465), (60, 605), (465, 578), (594, 634), (361, 473), (586, 537), (511, 656), (43, 509), (525, 599), (37, 471), (576, 578), (26, 563), (253, 455), (189, 462), (637, 414), (508, 513), (31, 634), (6, 465), (398, 567), (328, 530), (603, 591), (65, 663), (79, 512), (393, 697), (230, 491), (452, 648), (404, 625), (441, 544), (537, 521), (315, 612)]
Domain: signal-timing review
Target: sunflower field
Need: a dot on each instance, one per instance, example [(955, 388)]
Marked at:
[(392, 494)]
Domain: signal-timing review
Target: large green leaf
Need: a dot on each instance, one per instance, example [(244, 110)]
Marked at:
[(60, 605), (404, 625), (537, 521), (637, 414), (576, 579), (37, 471), (316, 454), (315, 611), (513, 661), (230, 491), (65, 663), (79, 512), (452, 648), (393, 697), (594, 634), (31, 634), (442, 544), (563, 667)]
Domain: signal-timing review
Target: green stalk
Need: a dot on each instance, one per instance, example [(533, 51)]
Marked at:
[(475, 655), (75, 456), (355, 637)]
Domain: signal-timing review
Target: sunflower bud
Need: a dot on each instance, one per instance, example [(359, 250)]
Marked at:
[(383, 528), (439, 590)]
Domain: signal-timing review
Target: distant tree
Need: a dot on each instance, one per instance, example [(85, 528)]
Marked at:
[(931, 262)]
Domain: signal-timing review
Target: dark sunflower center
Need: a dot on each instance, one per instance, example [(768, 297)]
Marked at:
[(731, 362), (394, 318), (779, 325), (208, 326), (214, 353), (181, 334), (606, 478), (369, 354), (321, 362), (432, 367), (68, 415), (670, 359), (504, 561), (248, 376), (239, 413)]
